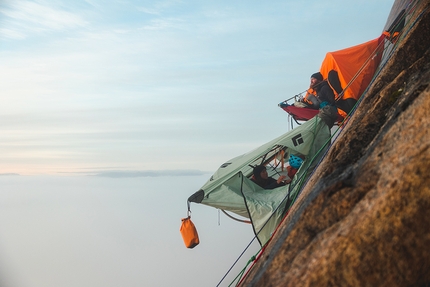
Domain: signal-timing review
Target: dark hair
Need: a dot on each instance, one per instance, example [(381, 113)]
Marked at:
[(317, 76), (257, 171)]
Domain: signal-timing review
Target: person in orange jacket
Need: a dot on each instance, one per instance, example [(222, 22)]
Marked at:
[(318, 95)]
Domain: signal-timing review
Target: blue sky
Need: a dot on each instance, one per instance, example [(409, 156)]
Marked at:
[(89, 87)]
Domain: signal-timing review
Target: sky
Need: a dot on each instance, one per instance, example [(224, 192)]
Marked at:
[(139, 102), (159, 85)]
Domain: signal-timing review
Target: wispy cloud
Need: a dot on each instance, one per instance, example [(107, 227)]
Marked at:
[(160, 24), (157, 8), (12, 34), (25, 18), (152, 11)]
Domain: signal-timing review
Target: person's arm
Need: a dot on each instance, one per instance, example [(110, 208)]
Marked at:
[(275, 183), (281, 179), (326, 95)]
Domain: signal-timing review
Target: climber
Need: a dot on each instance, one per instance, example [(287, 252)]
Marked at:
[(318, 95), (261, 178)]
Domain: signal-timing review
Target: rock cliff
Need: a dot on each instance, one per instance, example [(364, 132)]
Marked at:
[(363, 219)]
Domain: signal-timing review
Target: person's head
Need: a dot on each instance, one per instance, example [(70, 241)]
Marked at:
[(316, 78), (295, 161), (260, 172)]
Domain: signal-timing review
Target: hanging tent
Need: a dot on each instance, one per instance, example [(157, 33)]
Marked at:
[(349, 72), (231, 189), (355, 67)]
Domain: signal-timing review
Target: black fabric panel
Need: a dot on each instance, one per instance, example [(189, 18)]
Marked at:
[(333, 80), (346, 105), (398, 23), (197, 197)]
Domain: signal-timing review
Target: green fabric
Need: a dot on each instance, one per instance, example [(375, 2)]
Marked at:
[(265, 207), (231, 189)]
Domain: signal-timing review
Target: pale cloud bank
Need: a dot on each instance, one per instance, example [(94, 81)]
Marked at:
[(149, 173)]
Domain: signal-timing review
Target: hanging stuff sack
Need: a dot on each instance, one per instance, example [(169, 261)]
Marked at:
[(189, 231)]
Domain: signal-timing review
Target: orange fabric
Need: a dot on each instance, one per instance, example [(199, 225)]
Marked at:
[(342, 113), (189, 233), (310, 91), (333, 89), (349, 61), (291, 171), (386, 34)]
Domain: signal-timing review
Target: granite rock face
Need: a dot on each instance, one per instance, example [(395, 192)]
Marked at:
[(363, 219)]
